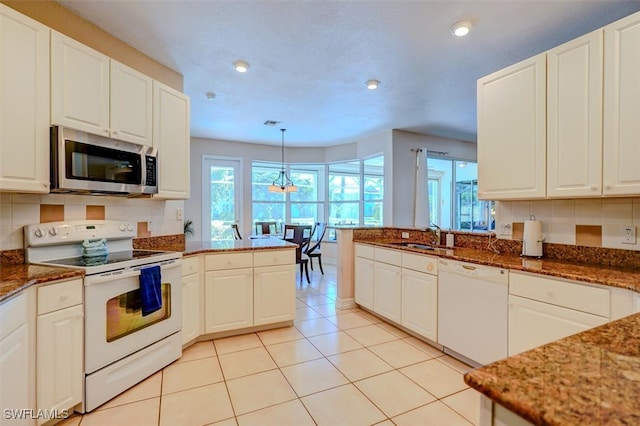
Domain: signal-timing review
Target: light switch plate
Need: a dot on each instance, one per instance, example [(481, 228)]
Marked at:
[(628, 234), (505, 228), (179, 214)]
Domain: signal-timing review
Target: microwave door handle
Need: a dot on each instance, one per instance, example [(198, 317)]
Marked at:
[(110, 277)]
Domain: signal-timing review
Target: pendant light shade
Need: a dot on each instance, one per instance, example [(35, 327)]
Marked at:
[(282, 183)]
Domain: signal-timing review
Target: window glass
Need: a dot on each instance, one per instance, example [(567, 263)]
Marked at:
[(263, 175), (453, 196)]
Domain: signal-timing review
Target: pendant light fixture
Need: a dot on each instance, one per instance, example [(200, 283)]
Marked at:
[(282, 183)]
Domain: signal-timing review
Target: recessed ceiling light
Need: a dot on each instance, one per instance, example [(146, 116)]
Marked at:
[(210, 96), (241, 66), (461, 28), (372, 84)]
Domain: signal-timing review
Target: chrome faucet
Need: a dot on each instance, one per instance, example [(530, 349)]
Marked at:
[(437, 232)]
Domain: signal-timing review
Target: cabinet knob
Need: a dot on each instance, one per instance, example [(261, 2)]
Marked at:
[(607, 187), (594, 188)]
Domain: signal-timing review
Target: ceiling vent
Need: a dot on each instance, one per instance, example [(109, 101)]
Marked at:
[(271, 123)]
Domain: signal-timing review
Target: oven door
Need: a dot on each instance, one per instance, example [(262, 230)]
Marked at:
[(114, 325)]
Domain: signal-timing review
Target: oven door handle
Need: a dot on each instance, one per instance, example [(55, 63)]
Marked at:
[(112, 276)]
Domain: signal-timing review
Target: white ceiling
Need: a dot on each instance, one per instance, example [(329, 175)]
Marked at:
[(310, 59)]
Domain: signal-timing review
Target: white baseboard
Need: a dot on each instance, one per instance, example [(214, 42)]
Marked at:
[(345, 303)]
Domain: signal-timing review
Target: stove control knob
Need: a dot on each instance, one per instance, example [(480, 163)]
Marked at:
[(129, 227), (122, 227), (39, 232), (53, 231)]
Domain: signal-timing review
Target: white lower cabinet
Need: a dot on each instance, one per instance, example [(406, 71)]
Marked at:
[(273, 300), (60, 346), (246, 289), (14, 358), (542, 310), (363, 275), (420, 297), (228, 299), (387, 291), (191, 298), (533, 323)]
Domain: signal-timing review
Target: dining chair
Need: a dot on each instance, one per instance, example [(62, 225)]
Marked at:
[(236, 231), (300, 235), (266, 228), (314, 250)]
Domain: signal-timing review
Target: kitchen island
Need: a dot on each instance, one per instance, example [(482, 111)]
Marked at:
[(590, 378)]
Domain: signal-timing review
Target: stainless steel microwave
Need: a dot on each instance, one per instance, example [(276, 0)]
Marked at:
[(83, 163)]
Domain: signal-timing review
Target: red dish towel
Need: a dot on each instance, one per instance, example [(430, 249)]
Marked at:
[(150, 290)]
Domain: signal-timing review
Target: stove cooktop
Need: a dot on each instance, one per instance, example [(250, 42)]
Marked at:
[(109, 258)]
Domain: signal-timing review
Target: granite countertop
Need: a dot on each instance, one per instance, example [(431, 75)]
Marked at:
[(270, 243), (15, 278), (595, 274), (590, 378)]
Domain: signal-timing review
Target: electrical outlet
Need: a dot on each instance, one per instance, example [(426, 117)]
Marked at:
[(505, 228), (149, 225), (628, 234), (179, 214), (405, 235)]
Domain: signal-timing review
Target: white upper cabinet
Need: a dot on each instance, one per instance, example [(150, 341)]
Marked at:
[(24, 103), (93, 93), (621, 174), (574, 118), (131, 104), (171, 137), (512, 132), (79, 86)]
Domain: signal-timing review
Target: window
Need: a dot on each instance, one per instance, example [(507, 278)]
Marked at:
[(344, 193), (221, 195), (307, 205), (373, 191), (267, 206), (453, 196), (304, 207)]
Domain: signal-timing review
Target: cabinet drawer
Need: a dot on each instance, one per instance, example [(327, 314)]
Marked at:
[(59, 296), (13, 313), (392, 257), (190, 265), (585, 298), (228, 261), (420, 263), (364, 251), (274, 257)]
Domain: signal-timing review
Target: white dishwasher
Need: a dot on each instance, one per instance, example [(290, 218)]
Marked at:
[(473, 310)]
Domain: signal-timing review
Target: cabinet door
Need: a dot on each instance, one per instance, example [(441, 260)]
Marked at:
[(621, 174), (190, 307), (574, 118), (131, 105), (420, 303), (14, 370), (274, 294), (79, 86), (228, 299), (532, 323), (387, 291), (171, 138), (512, 132), (364, 282), (24, 103), (59, 357)]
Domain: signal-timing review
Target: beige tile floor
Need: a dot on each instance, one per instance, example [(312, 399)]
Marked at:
[(333, 367)]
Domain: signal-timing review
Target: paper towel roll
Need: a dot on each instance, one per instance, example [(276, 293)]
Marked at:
[(532, 238)]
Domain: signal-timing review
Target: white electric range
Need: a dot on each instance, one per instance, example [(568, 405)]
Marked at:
[(122, 346)]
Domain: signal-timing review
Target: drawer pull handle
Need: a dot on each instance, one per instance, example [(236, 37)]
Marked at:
[(470, 268)]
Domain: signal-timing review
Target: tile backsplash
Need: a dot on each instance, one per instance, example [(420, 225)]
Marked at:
[(17, 210), (588, 222)]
